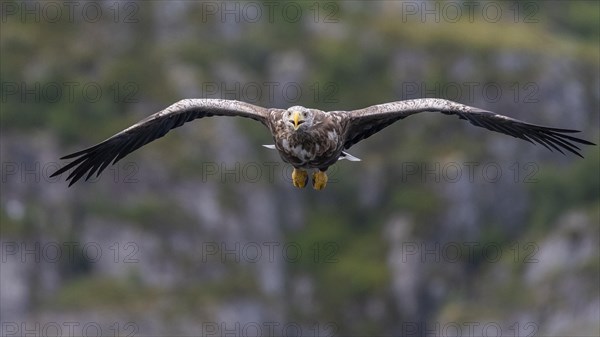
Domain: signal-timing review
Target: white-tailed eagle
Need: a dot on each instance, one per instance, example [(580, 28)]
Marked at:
[(306, 138)]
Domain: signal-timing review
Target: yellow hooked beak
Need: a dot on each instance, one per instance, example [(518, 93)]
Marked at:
[(298, 119)]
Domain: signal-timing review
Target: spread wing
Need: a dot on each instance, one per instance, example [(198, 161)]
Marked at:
[(366, 122), (98, 157)]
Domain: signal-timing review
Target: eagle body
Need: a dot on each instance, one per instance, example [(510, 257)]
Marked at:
[(317, 147), (307, 138)]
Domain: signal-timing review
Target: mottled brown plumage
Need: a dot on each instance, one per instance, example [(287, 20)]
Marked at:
[(306, 138), (319, 144)]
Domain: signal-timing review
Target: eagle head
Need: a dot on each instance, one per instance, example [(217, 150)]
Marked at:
[(298, 118)]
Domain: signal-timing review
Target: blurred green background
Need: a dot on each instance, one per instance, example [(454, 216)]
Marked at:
[(442, 229)]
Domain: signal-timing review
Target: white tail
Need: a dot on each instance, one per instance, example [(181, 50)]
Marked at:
[(348, 156), (345, 155)]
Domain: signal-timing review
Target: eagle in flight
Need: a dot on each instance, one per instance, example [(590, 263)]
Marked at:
[(306, 138)]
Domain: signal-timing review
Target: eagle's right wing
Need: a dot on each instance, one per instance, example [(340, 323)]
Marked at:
[(98, 157)]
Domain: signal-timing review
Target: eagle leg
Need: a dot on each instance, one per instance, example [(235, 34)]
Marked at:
[(299, 178), (319, 180)]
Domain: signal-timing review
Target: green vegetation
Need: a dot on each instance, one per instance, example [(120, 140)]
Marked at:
[(573, 188)]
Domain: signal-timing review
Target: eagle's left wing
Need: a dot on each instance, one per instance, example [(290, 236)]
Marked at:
[(98, 157), (366, 122)]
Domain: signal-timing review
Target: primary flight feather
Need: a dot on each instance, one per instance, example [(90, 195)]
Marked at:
[(306, 138)]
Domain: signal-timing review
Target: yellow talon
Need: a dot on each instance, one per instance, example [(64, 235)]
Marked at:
[(299, 178), (319, 180)]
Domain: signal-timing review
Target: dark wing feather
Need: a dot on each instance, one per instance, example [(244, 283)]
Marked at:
[(96, 158), (365, 122)]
